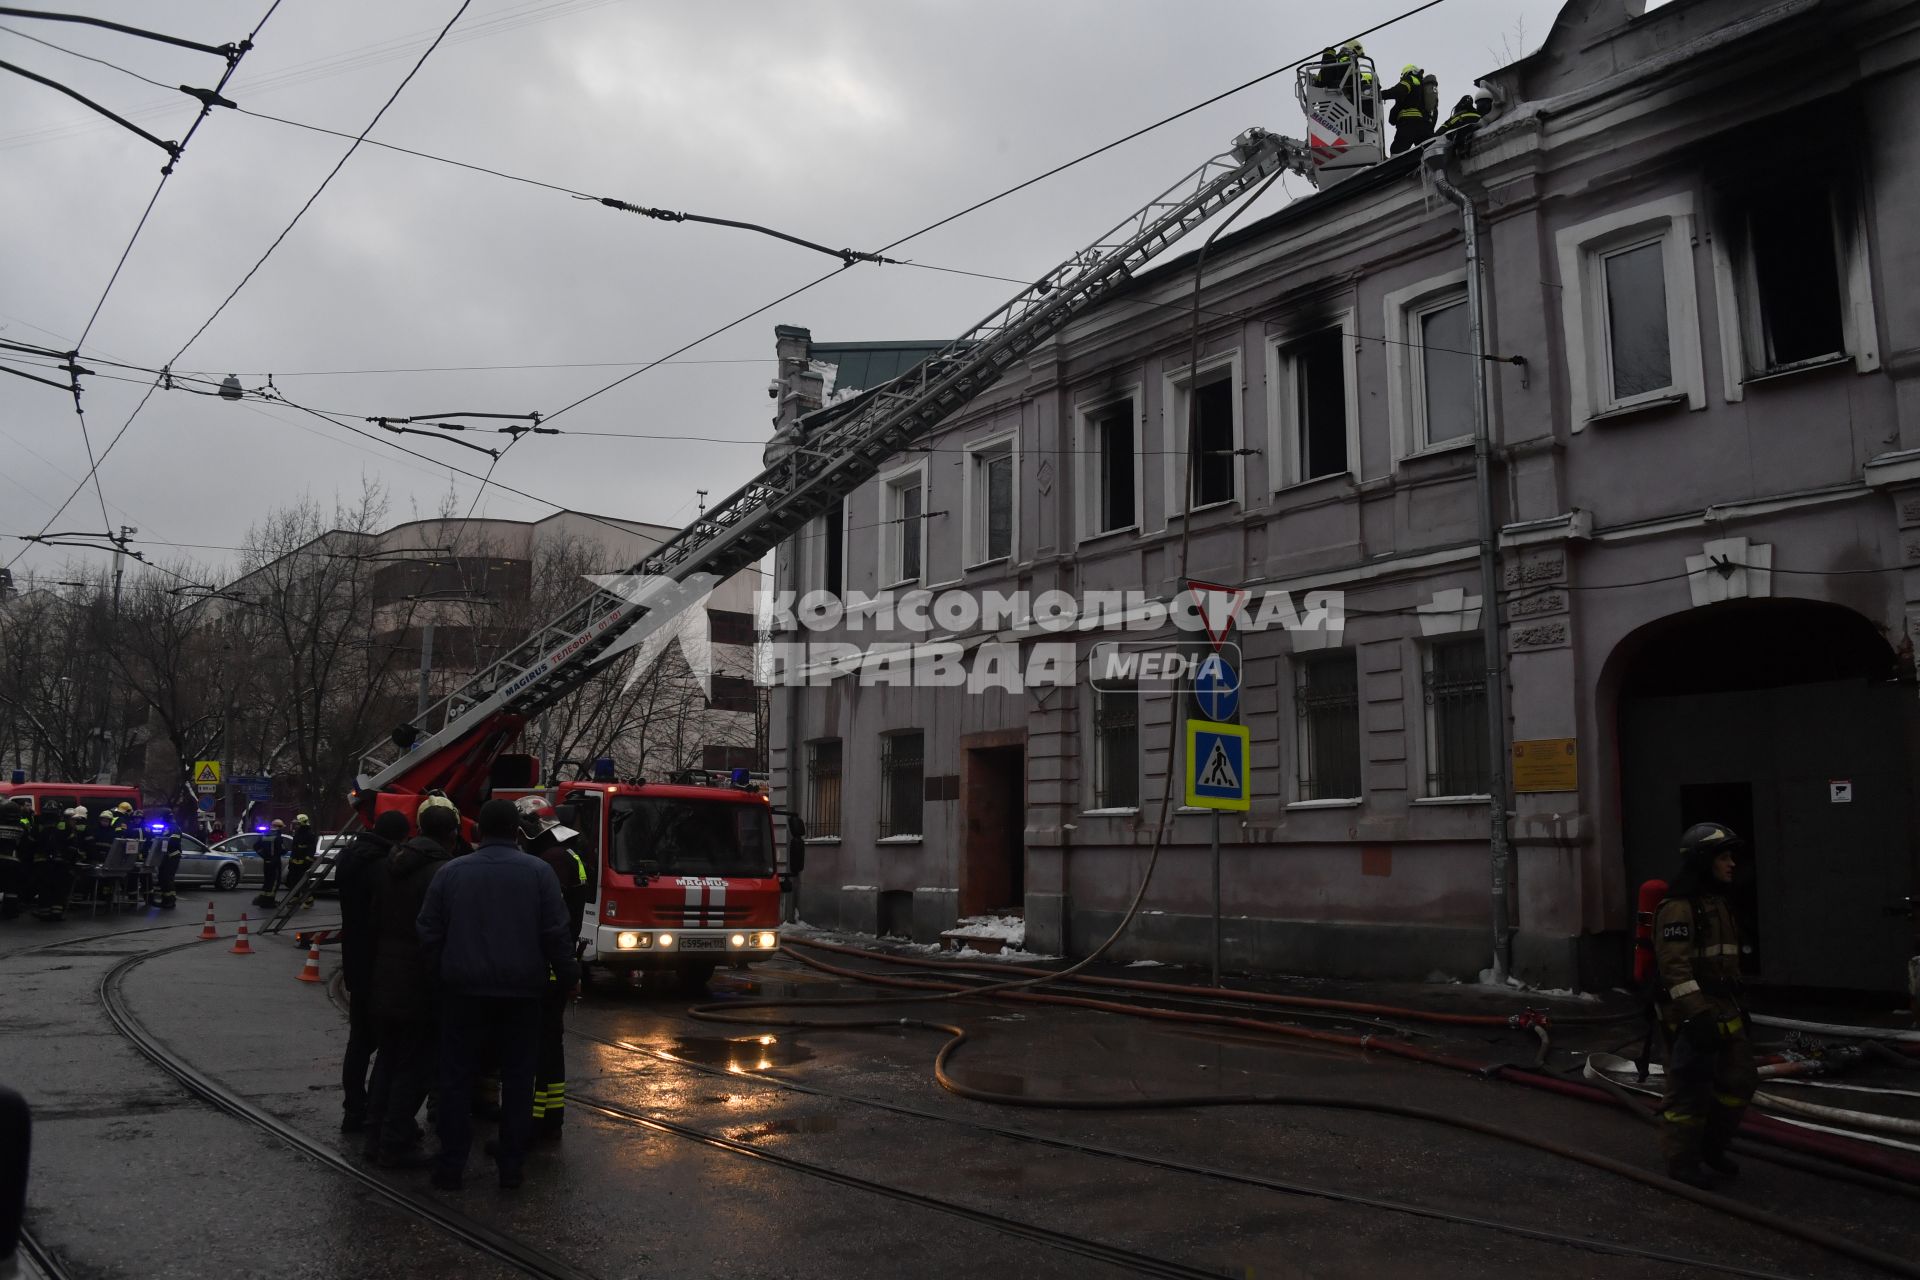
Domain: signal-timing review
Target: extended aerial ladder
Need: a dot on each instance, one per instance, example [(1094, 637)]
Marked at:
[(453, 745)]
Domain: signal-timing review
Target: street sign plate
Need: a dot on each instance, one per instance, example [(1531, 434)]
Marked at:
[(1217, 606), (206, 788), (206, 773), (1217, 766), (1216, 686)]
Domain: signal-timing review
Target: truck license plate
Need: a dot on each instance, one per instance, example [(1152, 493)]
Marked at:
[(702, 944)]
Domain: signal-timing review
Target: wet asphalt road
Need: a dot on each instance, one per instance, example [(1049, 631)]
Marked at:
[(134, 1177)]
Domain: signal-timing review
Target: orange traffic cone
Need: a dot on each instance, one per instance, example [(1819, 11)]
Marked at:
[(207, 932), (241, 947), (312, 972)]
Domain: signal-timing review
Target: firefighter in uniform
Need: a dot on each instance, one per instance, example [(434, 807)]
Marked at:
[(16, 855), (270, 846), (1414, 102), (544, 838), (1710, 1070), (160, 892), (300, 855), (1466, 112), (60, 845)]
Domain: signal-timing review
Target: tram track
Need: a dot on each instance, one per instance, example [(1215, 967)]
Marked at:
[(525, 1257), (478, 1236), (1165, 1164), (42, 1262)]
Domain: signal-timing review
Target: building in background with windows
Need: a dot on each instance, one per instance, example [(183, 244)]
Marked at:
[(1702, 363), (451, 595)]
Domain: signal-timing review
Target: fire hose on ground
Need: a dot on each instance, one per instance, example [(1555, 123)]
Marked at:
[(1839, 1148), (739, 1013)]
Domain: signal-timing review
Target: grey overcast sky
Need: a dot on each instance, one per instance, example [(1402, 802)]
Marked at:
[(847, 122)]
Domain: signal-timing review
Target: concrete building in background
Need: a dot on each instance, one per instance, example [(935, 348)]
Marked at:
[(1699, 262), (458, 592)]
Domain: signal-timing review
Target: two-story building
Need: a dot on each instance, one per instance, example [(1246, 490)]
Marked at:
[(1696, 245)]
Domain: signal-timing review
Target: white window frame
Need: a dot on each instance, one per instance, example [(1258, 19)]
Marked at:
[(1173, 410), (1581, 250), (1737, 303), (1400, 323), (892, 484), (1097, 776), (1283, 416), (1087, 462), (974, 518)]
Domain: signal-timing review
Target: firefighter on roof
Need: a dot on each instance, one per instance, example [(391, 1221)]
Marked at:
[(1413, 104), (1710, 1070)]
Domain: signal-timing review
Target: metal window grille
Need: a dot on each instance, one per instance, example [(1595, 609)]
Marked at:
[(902, 783), (1116, 734), (823, 787), (1456, 694), (1326, 702)]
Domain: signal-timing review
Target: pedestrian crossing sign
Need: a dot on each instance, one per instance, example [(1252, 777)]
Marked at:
[(1217, 766)]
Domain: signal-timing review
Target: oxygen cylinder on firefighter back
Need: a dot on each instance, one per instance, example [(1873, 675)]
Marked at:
[(1646, 902)]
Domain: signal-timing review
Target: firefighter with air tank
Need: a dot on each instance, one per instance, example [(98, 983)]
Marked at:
[(542, 835), (1710, 1069)]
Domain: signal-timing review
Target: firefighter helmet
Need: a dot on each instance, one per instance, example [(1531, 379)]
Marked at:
[(301, 819), (537, 818), (278, 824), (1708, 835), (435, 801), (123, 807)]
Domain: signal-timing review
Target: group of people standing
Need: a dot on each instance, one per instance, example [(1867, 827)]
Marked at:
[(40, 855), (459, 962), (295, 847), (1412, 101)]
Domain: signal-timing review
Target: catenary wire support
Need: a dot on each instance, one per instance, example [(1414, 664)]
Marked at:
[(847, 256), (171, 148), (398, 427), (217, 50)]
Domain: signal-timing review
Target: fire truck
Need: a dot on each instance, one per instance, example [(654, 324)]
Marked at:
[(683, 874), (686, 876)]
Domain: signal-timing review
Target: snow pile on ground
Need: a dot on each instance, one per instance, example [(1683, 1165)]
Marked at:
[(1011, 930)]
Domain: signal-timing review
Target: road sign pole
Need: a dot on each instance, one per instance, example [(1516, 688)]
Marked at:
[(1216, 897)]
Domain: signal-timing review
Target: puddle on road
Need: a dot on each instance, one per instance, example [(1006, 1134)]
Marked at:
[(784, 1126), (742, 1055)]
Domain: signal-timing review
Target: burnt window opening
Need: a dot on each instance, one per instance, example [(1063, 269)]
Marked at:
[(1112, 440), (1794, 277), (833, 527), (1211, 461), (1320, 395)]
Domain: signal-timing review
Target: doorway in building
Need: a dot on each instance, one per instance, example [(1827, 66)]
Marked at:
[(1791, 722), (993, 878)]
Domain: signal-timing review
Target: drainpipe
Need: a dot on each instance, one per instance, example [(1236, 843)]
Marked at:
[(1434, 166)]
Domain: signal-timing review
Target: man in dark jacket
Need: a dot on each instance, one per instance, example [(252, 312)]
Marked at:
[(353, 875), (401, 989), (271, 846), (493, 925)]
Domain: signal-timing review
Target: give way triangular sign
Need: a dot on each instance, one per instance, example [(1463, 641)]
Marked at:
[(1218, 770), (1217, 607)]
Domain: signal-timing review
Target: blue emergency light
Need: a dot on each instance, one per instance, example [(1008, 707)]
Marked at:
[(740, 778), (156, 826), (603, 769)]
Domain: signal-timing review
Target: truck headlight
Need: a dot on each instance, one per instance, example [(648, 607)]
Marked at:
[(627, 941), (768, 940), (738, 940), (666, 939)]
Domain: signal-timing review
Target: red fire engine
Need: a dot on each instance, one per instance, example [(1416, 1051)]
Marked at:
[(683, 876)]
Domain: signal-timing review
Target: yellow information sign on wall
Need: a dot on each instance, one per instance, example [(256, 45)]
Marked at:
[(1546, 764)]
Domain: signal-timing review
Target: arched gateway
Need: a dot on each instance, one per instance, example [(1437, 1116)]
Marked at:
[(1792, 722)]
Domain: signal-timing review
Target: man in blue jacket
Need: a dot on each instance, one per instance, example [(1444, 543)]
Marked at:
[(493, 928)]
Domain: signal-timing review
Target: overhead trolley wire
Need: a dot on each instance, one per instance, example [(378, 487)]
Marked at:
[(93, 469)]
